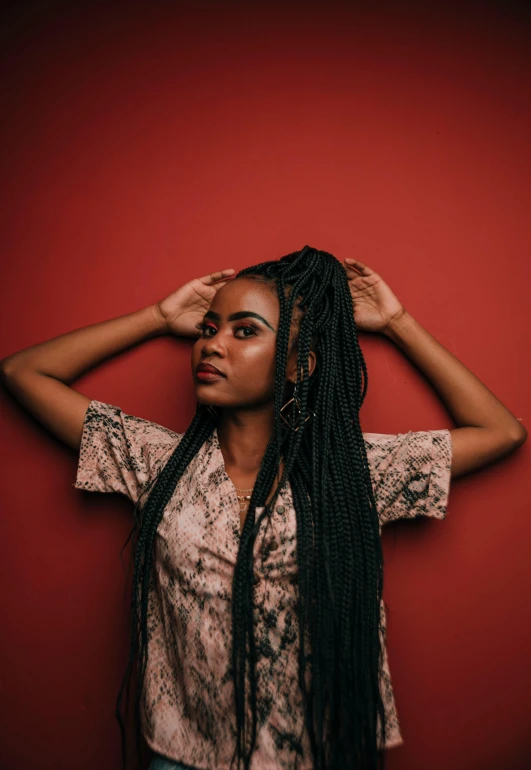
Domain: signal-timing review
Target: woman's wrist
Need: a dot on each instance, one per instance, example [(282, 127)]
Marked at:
[(397, 325), (161, 325)]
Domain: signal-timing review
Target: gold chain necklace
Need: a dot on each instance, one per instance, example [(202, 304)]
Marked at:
[(243, 499)]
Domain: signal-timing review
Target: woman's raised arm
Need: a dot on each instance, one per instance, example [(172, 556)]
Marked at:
[(39, 376), (487, 429)]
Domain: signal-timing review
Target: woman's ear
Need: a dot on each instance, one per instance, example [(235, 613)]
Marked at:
[(291, 372), (312, 362)]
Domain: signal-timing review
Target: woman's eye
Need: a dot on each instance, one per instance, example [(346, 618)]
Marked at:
[(241, 332), (204, 328), (247, 331)]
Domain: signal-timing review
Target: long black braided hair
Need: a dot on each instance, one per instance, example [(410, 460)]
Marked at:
[(339, 553)]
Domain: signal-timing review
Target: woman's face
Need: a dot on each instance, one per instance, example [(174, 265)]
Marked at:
[(238, 338)]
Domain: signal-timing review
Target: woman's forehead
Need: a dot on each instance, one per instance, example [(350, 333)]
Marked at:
[(244, 294)]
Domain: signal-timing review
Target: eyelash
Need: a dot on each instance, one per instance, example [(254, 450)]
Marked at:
[(203, 326)]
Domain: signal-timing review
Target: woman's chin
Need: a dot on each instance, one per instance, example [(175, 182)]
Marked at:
[(204, 399)]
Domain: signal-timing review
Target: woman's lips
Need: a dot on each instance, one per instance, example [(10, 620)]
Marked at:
[(209, 376), (208, 373)]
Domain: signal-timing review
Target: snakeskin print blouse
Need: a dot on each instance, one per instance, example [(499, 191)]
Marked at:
[(187, 699)]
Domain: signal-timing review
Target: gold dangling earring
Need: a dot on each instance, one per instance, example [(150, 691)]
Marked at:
[(293, 417)]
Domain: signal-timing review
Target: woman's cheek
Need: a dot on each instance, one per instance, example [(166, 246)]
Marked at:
[(259, 355), (265, 366)]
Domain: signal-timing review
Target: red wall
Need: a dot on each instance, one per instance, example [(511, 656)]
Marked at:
[(145, 144)]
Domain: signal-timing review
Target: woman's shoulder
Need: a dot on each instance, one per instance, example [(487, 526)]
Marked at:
[(119, 451), (138, 428), (410, 472), (406, 445)]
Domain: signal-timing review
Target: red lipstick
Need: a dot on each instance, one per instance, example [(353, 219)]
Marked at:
[(208, 373)]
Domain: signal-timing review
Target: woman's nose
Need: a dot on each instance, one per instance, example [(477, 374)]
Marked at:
[(213, 346)]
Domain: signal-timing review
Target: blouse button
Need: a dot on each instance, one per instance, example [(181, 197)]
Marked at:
[(273, 545), (280, 509)]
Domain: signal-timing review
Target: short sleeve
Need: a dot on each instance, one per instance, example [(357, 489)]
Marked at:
[(119, 452), (410, 472)]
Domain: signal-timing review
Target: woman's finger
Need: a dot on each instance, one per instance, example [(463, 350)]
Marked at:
[(357, 265), (220, 284), (217, 276)]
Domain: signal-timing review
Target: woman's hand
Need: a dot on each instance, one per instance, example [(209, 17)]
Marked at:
[(184, 308), (375, 305)]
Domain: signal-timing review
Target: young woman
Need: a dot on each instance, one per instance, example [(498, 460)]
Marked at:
[(258, 623)]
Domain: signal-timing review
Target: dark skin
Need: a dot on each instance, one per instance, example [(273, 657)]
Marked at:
[(244, 350), (486, 430), (39, 376)]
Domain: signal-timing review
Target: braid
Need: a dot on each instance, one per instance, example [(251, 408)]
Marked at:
[(339, 553), (340, 560)]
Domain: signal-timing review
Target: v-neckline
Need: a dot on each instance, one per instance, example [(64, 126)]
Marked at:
[(231, 486)]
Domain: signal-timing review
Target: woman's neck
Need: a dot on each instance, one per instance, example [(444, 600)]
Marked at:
[(243, 437)]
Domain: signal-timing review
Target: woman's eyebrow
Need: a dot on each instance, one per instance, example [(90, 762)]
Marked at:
[(249, 314), (237, 316)]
